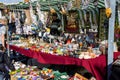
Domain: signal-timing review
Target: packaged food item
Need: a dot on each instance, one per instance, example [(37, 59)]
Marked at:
[(78, 77)]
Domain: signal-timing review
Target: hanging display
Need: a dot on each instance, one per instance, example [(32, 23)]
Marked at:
[(108, 10), (85, 3), (69, 5), (13, 15), (72, 24), (95, 2), (18, 24), (95, 24), (107, 3), (40, 14), (10, 17), (90, 19), (102, 35), (33, 16), (86, 18), (26, 1), (63, 11), (38, 10), (22, 17), (81, 19), (52, 10), (77, 3), (28, 19), (119, 14)]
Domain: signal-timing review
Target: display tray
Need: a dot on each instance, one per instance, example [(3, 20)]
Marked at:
[(44, 77)]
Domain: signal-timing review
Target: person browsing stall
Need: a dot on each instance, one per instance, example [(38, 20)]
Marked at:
[(54, 28)]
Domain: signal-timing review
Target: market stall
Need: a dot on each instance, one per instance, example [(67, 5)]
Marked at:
[(79, 38), (96, 66)]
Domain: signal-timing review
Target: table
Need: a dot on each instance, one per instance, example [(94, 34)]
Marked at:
[(96, 66)]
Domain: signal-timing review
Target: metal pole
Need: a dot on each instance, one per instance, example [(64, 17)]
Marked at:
[(111, 37), (8, 47), (62, 22)]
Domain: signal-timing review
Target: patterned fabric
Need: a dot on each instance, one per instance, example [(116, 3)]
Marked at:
[(2, 31)]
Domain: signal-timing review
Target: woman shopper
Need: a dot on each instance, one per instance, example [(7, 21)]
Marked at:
[(5, 63), (3, 22)]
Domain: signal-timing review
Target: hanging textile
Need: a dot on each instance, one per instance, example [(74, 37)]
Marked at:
[(97, 13), (108, 10), (28, 20), (85, 3), (10, 17), (95, 25), (72, 25), (85, 16), (48, 22), (119, 15), (38, 10), (13, 16), (107, 3), (18, 24), (69, 5), (52, 10), (17, 21), (33, 16), (76, 3), (81, 19), (66, 7), (26, 1), (90, 19), (63, 10), (22, 17), (27, 29), (40, 14)]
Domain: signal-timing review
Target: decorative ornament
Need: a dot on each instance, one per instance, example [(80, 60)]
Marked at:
[(26, 1), (108, 12), (52, 10), (95, 2), (62, 10)]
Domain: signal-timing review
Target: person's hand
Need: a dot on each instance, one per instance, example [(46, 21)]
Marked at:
[(92, 78), (4, 49)]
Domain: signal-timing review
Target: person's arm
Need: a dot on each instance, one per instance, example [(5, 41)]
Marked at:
[(3, 35), (3, 40)]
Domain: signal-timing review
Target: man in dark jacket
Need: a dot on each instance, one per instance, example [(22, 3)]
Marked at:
[(5, 65), (55, 25)]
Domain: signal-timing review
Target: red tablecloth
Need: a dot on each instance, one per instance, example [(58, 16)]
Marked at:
[(96, 66)]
